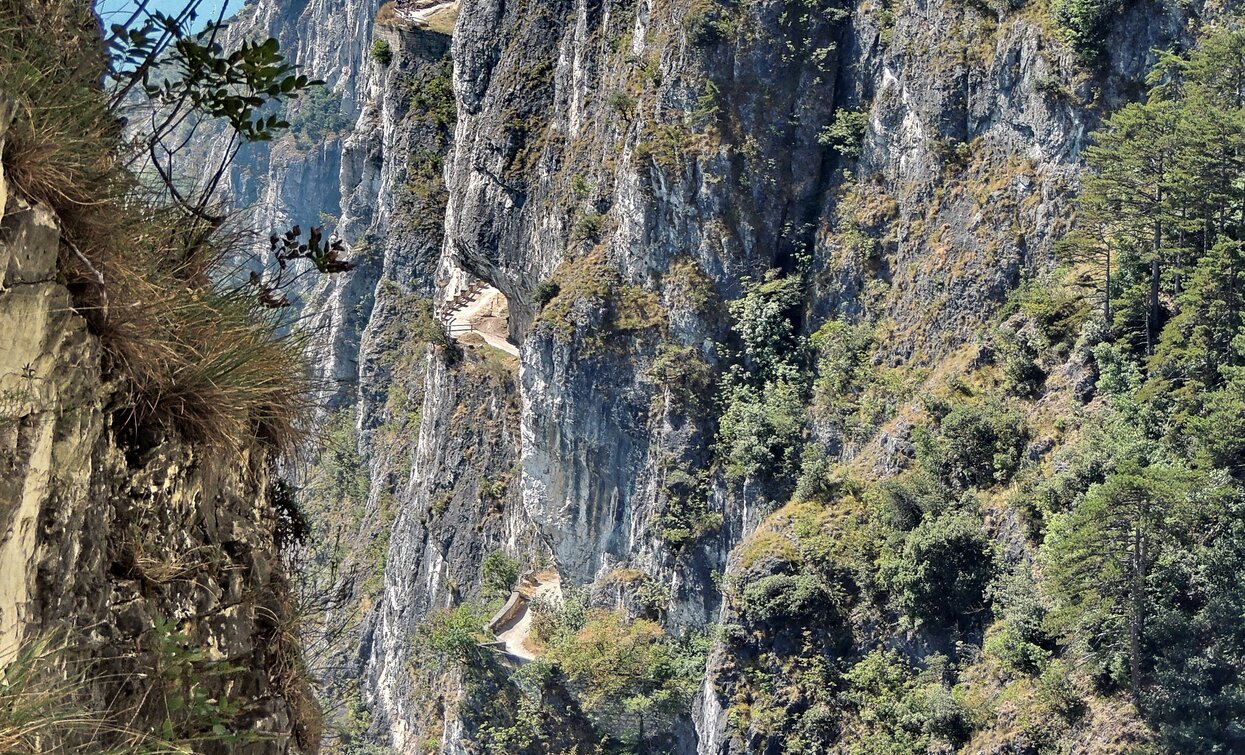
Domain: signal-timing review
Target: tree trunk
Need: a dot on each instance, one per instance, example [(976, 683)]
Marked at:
[(1152, 317), (1106, 305), (1137, 624)]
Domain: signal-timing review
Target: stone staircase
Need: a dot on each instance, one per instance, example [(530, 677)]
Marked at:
[(447, 311)]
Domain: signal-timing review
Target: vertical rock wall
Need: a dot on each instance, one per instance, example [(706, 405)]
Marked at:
[(647, 157)]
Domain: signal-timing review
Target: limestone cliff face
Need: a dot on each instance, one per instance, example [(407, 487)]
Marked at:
[(647, 157), (283, 184), (121, 542)]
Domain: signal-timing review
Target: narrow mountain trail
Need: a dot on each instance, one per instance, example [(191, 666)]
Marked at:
[(482, 313), (513, 623)]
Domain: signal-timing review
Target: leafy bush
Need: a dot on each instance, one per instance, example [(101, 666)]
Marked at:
[(1013, 652), (318, 116), (499, 573), (629, 677), (846, 133), (544, 292), (761, 427), (381, 52), (621, 102), (339, 473), (453, 635), (683, 377), (781, 597), (764, 320), (588, 226), (905, 500), (432, 95), (1085, 23), (686, 517), (975, 444), (707, 25), (760, 432), (941, 575), (898, 710), (1022, 375), (1019, 642)]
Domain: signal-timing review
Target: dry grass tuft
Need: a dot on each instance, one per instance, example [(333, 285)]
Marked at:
[(38, 709), (291, 676), (199, 355), (388, 15)]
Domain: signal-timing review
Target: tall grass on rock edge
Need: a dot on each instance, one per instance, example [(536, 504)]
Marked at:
[(196, 355)]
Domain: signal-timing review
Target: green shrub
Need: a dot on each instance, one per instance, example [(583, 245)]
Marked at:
[(760, 432), (319, 116), (686, 517), (781, 597), (1085, 23), (846, 133), (581, 187), (544, 292), (1013, 652), (621, 102), (588, 226), (905, 500), (1022, 375), (339, 473), (432, 96), (975, 444), (1019, 641), (941, 575), (381, 52), (499, 573), (707, 25), (764, 319), (899, 711), (453, 635), (683, 377), (630, 678)]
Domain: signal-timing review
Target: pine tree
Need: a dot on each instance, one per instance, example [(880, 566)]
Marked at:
[(1099, 556)]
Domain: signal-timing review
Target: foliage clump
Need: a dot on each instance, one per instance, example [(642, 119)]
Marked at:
[(382, 52), (594, 304), (630, 678), (762, 396), (942, 573), (975, 444), (198, 352), (1085, 23), (318, 117)]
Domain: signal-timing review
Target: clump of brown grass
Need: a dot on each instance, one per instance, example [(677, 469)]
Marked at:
[(38, 708), (198, 355), (387, 15)]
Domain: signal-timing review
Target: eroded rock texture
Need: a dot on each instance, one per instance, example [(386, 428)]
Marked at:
[(648, 158)]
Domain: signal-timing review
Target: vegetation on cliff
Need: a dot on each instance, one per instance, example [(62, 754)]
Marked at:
[(145, 262), (197, 371), (1054, 566)]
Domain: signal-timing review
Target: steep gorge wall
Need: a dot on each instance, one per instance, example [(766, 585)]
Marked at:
[(648, 157)]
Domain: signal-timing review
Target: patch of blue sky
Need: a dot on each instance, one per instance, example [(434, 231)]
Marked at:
[(120, 11)]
